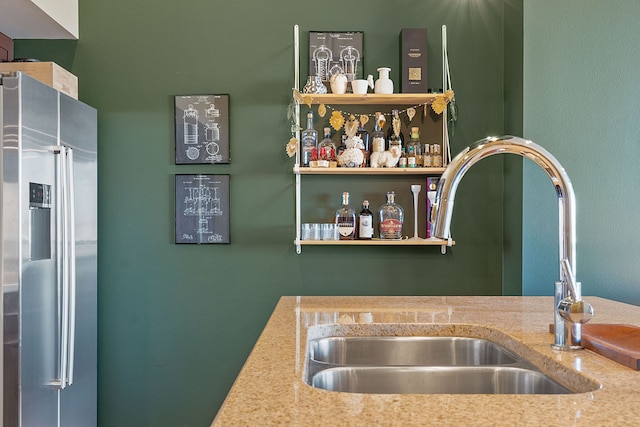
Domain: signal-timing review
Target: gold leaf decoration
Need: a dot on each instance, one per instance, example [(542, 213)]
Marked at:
[(439, 104), (292, 147), (337, 120), (322, 110), (411, 112), (307, 100), (449, 95), (364, 119)]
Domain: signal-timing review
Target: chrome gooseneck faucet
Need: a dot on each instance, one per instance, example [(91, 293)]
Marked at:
[(569, 308)]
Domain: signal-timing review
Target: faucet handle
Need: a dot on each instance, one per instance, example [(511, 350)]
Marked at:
[(575, 311)]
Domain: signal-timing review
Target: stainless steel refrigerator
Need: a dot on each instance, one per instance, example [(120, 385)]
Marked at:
[(49, 256)]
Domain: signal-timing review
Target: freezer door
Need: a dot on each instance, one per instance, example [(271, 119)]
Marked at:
[(29, 268)]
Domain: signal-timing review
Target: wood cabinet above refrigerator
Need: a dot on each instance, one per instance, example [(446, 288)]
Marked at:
[(40, 19)]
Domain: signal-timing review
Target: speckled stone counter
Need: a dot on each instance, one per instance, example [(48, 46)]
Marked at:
[(270, 389)]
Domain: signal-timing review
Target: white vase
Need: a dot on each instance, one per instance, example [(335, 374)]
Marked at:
[(384, 85), (338, 83)]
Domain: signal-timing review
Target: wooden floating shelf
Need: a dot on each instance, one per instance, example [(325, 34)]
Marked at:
[(368, 98), (367, 171), (378, 242)]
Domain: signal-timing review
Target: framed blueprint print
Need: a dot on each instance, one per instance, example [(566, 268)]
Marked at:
[(336, 52), (202, 129), (202, 209)]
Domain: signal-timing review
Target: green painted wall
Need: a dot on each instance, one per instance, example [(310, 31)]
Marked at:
[(513, 121), (177, 322), (581, 101)]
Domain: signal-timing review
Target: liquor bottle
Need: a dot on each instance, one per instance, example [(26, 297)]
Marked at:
[(364, 136), (412, 162), (427, 157), (436, 156), (365, 222), (309, 141), (402, 161), (391, 218), (414, 148), (346, 219), (326, 150)]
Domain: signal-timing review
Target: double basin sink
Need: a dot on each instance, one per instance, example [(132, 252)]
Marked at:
[(422, 365)]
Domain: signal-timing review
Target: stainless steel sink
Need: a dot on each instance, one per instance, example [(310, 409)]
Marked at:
[(406, 351), (431, 380), (422, 364)]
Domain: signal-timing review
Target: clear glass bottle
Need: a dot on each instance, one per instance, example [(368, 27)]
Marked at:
[(346, 219), (364, 136), (414, 148), (326, 150), (391, 217), (378, 141), (365, 222), (309, 140)]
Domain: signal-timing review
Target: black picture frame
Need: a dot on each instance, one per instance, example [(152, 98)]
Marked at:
[(332, 52), (202, 209), (202, 129)]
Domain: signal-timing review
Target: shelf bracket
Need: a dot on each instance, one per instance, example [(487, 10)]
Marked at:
[(443, 248)]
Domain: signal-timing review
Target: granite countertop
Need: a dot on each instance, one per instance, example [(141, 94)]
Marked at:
[(270, 389)]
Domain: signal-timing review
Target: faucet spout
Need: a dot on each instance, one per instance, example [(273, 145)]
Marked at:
[(568, 334)]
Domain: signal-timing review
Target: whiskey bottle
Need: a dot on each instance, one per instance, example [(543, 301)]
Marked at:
[(346, 219), (391, 218), (365, 222), (326, 150), (309, 140)]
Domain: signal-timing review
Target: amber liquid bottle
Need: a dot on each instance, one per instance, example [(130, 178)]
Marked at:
[(391, 218)]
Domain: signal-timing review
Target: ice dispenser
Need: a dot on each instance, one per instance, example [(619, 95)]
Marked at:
[(39, 221)]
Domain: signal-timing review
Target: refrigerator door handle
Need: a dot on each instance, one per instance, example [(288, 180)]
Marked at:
[(65, 262), (61, 281), (71, 226)]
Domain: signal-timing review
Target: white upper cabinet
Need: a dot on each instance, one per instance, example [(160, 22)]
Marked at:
[(39, 19)]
